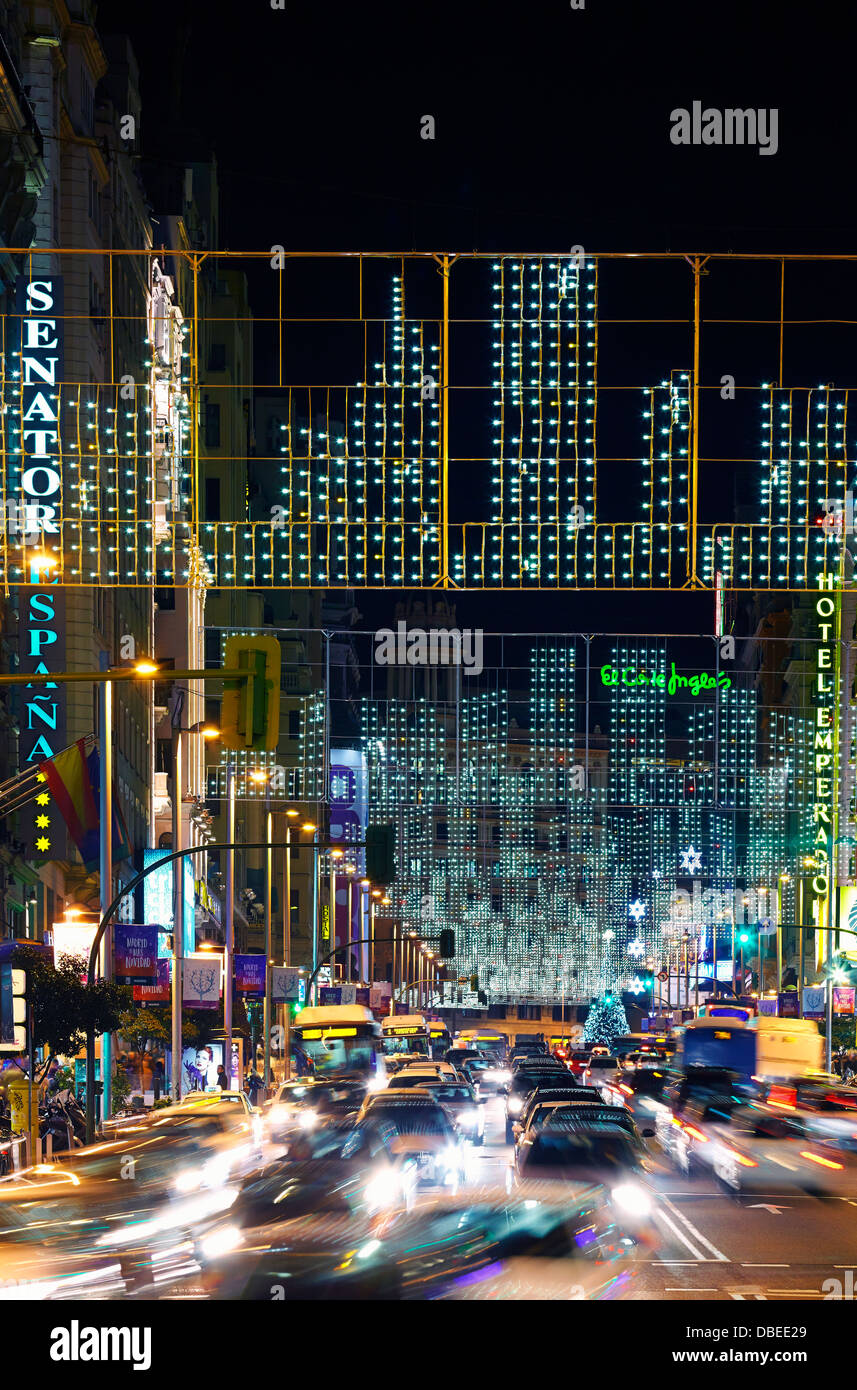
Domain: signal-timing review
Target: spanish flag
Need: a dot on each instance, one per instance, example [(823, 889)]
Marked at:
[(74, 780)]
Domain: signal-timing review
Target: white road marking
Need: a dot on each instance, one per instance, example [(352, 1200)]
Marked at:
[(679, 1235), (745, 1265), (718, 1254)]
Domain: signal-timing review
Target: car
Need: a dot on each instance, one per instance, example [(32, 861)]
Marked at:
[(418, 1077), (521, 1086), (641, 1091), (599, 1064), (306, 1102), (541, 1104), (589, 1148), (456, 1056), (531, 1061), (577, 1061), (426, 1068), (486, 1077), (424, 1134), (465, 1107)]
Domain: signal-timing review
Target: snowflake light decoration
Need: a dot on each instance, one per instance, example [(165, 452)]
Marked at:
[(637, 910), (637, 948), (691, 859), (637, 985)]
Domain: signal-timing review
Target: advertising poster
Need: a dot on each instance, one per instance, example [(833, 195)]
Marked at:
[(789, 1004), (843, 999), (250, 974), (287, 985), (813, 1001), (201, 981), (135, 954), (157, 992)]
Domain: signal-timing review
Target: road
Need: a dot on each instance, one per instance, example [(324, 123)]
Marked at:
[(772, 1245)]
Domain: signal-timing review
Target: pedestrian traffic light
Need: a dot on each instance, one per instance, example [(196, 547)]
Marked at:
[(446, 950), (250, 713), (13, 1009), (380, 853)]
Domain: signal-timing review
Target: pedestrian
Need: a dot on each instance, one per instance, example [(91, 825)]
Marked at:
[(157, 1079), (222, 1078), (255, 1084)]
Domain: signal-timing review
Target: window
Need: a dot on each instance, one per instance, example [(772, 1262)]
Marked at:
[(217, 357), (212, 488), (294, 723), (212, 426)]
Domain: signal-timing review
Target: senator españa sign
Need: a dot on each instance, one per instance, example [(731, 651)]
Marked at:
[(31, 518)]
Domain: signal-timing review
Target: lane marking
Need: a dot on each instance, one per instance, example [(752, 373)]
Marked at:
[(718, 1254), (680, 1236), (686, 1289), (745, 1265)]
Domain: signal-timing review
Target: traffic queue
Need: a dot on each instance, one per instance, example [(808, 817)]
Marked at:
[(384, 1172)]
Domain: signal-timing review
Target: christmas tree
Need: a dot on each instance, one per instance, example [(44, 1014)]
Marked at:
[(605, 1022)]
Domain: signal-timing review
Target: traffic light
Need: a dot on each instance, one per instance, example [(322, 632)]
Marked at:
[(446, 950), (13, 1009), (250, 713), (380, 854)]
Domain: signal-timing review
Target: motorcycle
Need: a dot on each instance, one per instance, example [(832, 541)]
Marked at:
[(65, 1123)]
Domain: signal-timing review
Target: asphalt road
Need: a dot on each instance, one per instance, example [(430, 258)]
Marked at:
[(776, 1244)]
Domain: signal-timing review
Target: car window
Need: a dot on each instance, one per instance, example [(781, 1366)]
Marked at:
[(577, 1150), (444, 1092)]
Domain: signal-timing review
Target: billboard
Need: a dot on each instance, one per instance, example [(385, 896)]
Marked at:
[(158, 895), (349, 816)]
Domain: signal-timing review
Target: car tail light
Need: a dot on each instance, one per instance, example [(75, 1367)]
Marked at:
[(697, 1133), (740, 1158), (817, 1158), (627, 1089)]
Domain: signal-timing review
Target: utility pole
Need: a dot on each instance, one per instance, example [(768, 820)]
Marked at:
[(230, 922), (178, 900), (105, 718)]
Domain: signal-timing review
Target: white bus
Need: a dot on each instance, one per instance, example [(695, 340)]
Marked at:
[(338, 1040), (406, 1038)]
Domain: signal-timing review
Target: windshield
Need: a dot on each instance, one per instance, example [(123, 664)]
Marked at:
[(646, 1083), (415, 1045), (599, 1061), (444, 1093), (566, 1150), (332, 1055), (413, 1118)]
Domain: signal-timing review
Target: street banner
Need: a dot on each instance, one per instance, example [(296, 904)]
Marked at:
[(159, 991), (201, 981), (348, 994), (361, 996), (379, 996), (789, 1004), (843, 999), (135, 954), (286, 984), (813, 1001), (331, 994), (250, 974)]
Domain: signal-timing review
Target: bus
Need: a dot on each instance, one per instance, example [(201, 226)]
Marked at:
[(483, 1040), (756, 1048), (339, 1040), (439, 1039), (406, 1038)]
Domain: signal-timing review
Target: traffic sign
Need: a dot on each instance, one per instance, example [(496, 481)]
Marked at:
[(663, 976)]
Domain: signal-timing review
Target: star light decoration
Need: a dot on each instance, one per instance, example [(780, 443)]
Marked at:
[(637, 948), (691, 859), (637, 910), (637, 985)]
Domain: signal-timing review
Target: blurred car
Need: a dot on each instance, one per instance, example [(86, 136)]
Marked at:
[(598, 1066), (426, 1068), (541, 1241), (486, 1077), (592, 1148), (540, 1104), (644, 1057), (306, 1103), (641, 1091), (577, 1061), (465, 1107), (523, 1083), (425, 1137)]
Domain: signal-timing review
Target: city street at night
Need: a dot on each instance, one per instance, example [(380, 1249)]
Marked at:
[(428, 675)]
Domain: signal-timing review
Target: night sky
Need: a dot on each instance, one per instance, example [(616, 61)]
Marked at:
[(552, 130)]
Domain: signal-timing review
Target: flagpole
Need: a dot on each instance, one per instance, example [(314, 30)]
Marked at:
[(105, 701)]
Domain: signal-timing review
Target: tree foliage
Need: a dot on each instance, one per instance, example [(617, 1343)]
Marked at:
[(605, 1022), (62, 1007)]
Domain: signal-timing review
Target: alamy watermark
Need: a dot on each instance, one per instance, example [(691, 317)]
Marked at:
[(434, 646), (732, 126)]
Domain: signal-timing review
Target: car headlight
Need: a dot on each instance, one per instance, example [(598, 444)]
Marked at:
[(502, 1076), (470, 1115), (449, 1158), (378, 1083), (515, 1105), (221, 1242), (384, 1189), (307, 1119), (632, 1199), (188, 1180)]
